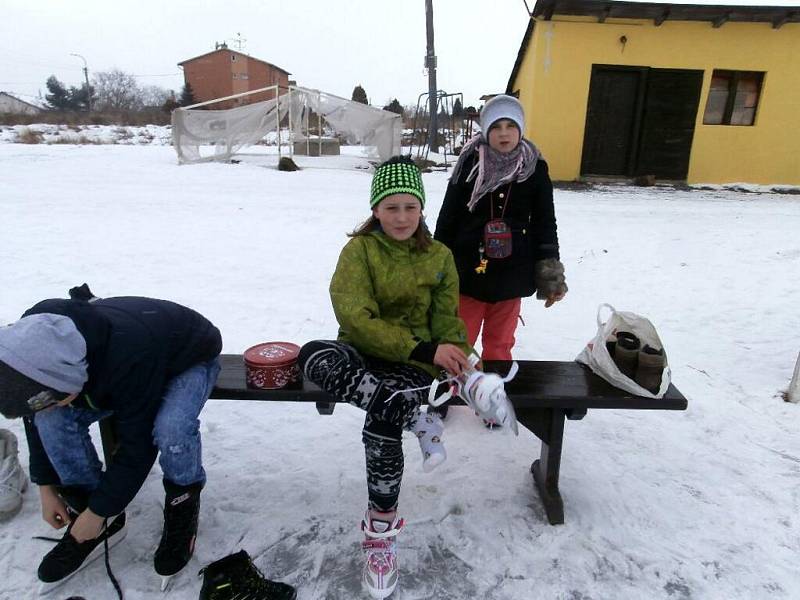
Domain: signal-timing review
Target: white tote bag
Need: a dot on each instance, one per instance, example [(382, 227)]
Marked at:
[(595, 355)]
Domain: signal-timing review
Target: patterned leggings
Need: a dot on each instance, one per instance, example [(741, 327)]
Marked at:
[(370, 384)]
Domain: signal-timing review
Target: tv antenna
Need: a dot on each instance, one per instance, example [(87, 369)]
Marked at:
[(238, 41)]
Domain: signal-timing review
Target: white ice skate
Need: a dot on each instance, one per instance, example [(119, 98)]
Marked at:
[(380, 570), (484, 393), (13, 481)]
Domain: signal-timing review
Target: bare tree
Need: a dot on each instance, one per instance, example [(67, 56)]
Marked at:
[(117, 90), (154, 96)]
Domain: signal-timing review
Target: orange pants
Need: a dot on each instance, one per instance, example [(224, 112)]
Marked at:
[(499, 321)]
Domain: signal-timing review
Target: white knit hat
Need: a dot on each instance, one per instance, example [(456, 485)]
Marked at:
[(502, 107)]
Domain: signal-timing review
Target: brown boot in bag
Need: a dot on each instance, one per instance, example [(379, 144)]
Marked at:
[(650, 369), (626, 353)]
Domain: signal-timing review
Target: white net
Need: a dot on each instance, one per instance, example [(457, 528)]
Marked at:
[(200, 135)]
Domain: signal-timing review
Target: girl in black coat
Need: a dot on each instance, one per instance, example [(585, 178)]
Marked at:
[(498, 220)]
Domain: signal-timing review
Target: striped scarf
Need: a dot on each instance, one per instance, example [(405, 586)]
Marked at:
[(495, 169)]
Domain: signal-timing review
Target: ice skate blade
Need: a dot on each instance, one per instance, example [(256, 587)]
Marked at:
[(47, 588), (165, 581)]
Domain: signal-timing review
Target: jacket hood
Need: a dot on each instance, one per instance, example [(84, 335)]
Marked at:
[(48, 349)]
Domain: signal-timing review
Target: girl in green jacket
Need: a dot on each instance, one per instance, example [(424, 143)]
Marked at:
[(395, 296)]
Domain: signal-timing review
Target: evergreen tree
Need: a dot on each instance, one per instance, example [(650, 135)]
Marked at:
[(395, 107), (80, 97), (59, 97), (187, 95), (458, 109), (359, 95)]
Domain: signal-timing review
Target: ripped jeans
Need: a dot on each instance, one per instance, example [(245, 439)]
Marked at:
[(64, 432)]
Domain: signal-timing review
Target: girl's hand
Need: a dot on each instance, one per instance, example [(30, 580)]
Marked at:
[(54, 511), (451, 358)]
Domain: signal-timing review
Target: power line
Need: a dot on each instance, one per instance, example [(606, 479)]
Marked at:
[(159, 75)]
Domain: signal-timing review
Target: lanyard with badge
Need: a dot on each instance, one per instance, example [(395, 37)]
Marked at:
[(497, 238)]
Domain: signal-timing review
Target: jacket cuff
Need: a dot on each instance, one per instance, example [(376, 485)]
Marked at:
[(103, 506), (424, 352)]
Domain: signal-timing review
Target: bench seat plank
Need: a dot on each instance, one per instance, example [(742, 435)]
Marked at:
[(539, 384)]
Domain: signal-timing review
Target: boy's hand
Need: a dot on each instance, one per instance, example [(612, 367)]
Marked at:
[(87, 526), (54, 511), (451, 358)]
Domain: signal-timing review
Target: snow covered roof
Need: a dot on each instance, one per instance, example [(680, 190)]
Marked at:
[(31, 104)]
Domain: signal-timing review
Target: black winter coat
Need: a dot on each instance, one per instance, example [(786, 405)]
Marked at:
[(531, 217), (134, 347)]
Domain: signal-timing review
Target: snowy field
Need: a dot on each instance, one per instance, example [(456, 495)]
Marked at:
[(697, 504)]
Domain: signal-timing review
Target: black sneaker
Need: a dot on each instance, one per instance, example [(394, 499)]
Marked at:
[(181, 510), (69, 555), (235, 577)]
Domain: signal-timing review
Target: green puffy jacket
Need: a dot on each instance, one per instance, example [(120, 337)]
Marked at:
[(388, 296)]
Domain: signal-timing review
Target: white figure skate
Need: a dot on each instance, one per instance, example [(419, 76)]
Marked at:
[(484, 393)]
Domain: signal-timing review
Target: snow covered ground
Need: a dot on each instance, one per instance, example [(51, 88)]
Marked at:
[(697, 504), (49, 133)]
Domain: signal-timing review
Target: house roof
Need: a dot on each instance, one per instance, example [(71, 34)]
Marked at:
[(19, 100), (520, 55), (717, 14), (183, 62)]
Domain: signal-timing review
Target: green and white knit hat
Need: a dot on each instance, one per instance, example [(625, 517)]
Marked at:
[(398, 175)]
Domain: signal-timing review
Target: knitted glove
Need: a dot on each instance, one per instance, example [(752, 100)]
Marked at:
[(549, 278)]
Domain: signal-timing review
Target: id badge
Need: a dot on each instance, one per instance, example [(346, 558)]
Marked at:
[(497, 239)]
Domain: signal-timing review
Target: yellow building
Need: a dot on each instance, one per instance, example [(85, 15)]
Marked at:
[(705, 94)]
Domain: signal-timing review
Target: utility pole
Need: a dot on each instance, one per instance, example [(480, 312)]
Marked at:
[(430, 64), (86, 77)]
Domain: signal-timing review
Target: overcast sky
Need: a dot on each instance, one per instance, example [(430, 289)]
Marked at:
[(328, 45)]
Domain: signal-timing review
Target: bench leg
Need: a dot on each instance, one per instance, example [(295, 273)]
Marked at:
[(325, 408), (548, 425)]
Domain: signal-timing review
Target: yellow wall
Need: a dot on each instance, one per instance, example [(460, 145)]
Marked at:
[(554, 76)]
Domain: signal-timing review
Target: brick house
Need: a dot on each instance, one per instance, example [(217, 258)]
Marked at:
[(225, 72)]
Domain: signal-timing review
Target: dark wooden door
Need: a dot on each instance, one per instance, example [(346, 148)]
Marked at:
[(612, 111), (668, 118), (640, 121)]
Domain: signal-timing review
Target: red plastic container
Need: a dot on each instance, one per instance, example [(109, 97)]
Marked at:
[(272, 365)]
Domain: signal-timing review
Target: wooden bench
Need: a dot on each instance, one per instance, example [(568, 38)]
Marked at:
[(544, 394)]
